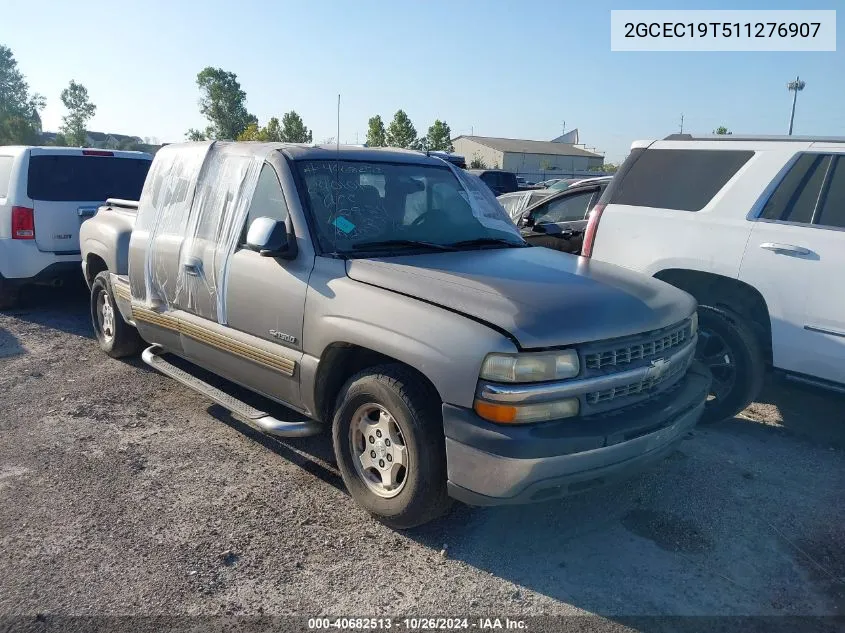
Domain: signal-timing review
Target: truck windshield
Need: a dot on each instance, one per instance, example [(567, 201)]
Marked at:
[(359, 206)]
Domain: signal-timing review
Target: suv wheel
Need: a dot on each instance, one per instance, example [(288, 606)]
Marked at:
[(388, 441), (116, 337), (729, 348)]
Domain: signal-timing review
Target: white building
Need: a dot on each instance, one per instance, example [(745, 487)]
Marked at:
[(527, 157)]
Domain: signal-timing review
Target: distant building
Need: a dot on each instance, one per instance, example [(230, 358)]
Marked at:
[(527, 157)]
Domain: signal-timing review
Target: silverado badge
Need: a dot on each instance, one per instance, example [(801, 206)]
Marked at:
[(281, 335)]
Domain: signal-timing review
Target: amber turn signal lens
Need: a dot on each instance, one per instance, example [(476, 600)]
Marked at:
[(501, 413)]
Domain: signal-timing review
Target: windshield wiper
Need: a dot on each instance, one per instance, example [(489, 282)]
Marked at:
[(410, 243), (484, 241)]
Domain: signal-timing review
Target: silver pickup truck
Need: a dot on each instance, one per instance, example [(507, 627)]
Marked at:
[(385, 294)]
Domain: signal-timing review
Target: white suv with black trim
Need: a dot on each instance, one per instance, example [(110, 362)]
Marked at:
[(754, 229), (45, 194)]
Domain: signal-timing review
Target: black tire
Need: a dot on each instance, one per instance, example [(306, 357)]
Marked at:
[(8, 296), (124, 339), (415, 408), (729, 347)]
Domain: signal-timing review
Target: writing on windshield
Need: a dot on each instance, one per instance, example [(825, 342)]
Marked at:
[(357, 202)]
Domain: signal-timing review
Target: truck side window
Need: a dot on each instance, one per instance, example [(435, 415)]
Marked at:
[(268, 201)]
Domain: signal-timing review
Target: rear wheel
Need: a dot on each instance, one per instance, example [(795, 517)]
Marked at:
[(729, 348), (388, 441), (116, 337)]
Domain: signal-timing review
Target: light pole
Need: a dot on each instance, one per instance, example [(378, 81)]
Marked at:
[(795, 86)]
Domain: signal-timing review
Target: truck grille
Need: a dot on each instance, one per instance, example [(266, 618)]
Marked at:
[(638, 387), (638, 351)]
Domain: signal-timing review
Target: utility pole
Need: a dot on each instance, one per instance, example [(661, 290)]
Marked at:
[(682, 122), (795, 87)]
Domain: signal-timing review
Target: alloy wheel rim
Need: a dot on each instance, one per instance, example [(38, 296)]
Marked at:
[(378, 450), (714, 352), (105, 315)]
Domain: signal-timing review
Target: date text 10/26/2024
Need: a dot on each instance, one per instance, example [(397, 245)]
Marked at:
[(416, 624)]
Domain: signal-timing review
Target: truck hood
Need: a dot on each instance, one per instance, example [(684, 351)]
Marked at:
[(543, 298)]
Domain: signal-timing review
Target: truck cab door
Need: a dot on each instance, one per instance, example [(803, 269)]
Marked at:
[(795, 257), (265, 303)]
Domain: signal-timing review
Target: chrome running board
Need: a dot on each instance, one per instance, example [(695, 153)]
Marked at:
[(261, 420)]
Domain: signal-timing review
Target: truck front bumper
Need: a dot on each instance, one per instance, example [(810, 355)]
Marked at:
[(492, 464)]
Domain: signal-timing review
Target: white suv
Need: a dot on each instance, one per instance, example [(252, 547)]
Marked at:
[(45, 194), (754, 229)]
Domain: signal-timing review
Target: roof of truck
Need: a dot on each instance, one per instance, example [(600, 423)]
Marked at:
[(303, 151)]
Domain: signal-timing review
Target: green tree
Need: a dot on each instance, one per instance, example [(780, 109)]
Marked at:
[(721, 130), (421, 144), (19, 120), (401, 132), (16, 130), (252, 133), (223, 103), (439, 137), (198, 135), (80, 110), (477, 162), (273, 131), (60, 140), (294, 130), (376, 136)]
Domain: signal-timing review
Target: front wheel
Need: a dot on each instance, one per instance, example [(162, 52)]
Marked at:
[(116, 337), (729, 348), (388, 440)]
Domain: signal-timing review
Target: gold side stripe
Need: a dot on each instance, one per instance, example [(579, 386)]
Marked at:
[(220, 341), (255, 354), (156, 318), (122, 291)]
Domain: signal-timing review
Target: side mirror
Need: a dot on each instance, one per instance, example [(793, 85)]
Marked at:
[(270, 238), (527, 220)]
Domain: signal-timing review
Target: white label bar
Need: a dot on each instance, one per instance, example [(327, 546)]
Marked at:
[(676, 30)]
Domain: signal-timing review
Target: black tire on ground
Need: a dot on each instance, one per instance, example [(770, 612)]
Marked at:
[(728, 345), (8, 296), (123, 339), (415, 407)]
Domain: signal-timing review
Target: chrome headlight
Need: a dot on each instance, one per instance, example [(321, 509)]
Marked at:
[(531, 367)]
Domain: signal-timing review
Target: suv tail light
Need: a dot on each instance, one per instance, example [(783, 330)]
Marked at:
[(23, 223), (590, 232), (96, 152)]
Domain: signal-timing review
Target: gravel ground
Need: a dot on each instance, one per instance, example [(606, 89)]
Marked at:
[(121, 492)]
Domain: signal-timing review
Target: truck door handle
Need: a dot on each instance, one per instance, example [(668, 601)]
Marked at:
[(86, 212), (193, 267), (787, 249)]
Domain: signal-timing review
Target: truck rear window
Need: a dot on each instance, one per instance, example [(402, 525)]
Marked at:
[(85, 178), (680, 179)]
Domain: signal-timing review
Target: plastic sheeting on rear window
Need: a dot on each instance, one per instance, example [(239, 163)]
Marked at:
[(193, 208)]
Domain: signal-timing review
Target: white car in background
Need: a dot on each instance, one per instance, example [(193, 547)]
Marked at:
[(45, 194), (754, 229)]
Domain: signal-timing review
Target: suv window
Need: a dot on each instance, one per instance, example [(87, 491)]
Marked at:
[(833, 207), (680, 179), (564, 209), (65, 178), (268, 201), (795, 198), (5, 174)]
